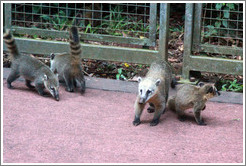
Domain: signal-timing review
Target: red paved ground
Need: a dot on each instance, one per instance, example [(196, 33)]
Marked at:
[(97, 128)]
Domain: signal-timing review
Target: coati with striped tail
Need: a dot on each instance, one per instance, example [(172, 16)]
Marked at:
[(191, 96), (153, 89), (31, 69), (68, 65)]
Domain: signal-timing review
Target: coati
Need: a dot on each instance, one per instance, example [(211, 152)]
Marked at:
[(191, 96), (31, 69), (69, 65), (153, 89)]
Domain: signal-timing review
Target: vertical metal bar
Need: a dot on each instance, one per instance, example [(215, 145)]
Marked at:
[(152, 23), (164, 30), (197, 27), (7, 15), (187, 39)]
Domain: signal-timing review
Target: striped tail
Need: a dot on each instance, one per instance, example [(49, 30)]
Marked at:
[(75, 48), (10, 43)]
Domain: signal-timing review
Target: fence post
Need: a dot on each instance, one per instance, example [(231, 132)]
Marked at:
[(152, 22), (164, 30), (7, 15), (187, 39)]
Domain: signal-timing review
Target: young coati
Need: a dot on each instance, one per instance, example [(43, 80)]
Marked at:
[(31, 69), (191, 96), (153, 89), (69, 65)]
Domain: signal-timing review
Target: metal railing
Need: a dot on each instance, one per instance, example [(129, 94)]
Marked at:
[(127, 23), (213, 38)]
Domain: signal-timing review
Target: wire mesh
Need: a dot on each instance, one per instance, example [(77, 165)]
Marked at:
[(120, 19), (222, 24)]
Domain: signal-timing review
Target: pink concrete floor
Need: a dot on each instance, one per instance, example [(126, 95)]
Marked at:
[(97, 128)]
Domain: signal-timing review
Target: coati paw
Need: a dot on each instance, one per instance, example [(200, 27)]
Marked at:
[(10, 86), (136, 122), (82, 91), (202, 123), (150, 110), (181, 118), (154, 122), (69, 89)]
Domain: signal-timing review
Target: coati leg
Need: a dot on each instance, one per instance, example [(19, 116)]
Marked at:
[(28, 84), (197, 114), (138, 111), (159, 109), (151, 108), (181, 115), (69, 80), (40, 88), (12, 77), (74, 83), (80, 78)]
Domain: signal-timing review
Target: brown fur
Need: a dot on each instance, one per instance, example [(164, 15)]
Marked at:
[(153, 89), (69, 65), (31, 69), (190, 96)]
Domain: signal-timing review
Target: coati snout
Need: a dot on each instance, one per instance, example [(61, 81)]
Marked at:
[(52, 86)]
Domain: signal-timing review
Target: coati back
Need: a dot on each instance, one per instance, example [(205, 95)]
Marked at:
[(190, 96), (69, 65), (31, 69), (153, 89)]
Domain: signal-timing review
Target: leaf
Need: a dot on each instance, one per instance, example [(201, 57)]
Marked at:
[(231, 6), (118, 76), (120, 70), (45, 17), (122, 76), (224, 22), (217, 24), (226, 14), (218, 6)]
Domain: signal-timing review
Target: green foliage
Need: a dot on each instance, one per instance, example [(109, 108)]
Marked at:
[(120, 74), (177, 29), (59, 21), (225, 7), (232, 86)]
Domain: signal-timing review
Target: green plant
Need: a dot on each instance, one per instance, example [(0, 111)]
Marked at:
[(223, 19), (177, 29), (59, 21), (120, 75), (232, 86)]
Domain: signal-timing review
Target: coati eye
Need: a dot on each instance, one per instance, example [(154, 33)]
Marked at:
[(52, 88), (149, 91), (141, 91)]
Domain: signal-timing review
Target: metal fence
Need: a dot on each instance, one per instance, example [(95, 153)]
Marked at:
[(213, 38), (128, 23)]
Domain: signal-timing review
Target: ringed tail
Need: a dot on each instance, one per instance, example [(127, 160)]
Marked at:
[(75, 47), (10, 43)]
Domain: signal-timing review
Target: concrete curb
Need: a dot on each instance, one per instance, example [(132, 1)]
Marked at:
[(131, 87)]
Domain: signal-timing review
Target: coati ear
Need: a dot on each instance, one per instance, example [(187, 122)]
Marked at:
[(210, 90), (52, 56), (45, 77), (139, 79), (200, 84), (158, 81)]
